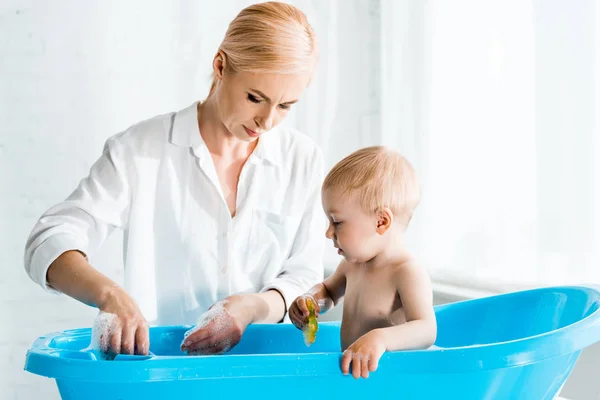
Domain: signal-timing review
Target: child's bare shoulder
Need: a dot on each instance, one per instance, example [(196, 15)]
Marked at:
[(345, 265), (410, 272), (343, 268)]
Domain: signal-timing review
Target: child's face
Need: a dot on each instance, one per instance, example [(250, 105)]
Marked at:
[(353, 231)]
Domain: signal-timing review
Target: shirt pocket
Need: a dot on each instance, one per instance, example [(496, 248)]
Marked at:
[(271, 240)]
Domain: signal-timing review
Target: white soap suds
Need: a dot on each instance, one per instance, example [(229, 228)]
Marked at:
[(216, 319), (102, 330)]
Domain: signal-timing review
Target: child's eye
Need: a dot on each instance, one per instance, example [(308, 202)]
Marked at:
[(337, 223), (253, 98)]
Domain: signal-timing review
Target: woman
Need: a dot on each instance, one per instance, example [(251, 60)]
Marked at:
[(216, 201)]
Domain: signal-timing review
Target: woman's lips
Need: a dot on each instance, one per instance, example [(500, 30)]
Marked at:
[(251, 133)]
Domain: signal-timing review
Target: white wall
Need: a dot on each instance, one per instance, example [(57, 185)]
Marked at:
[(73, 73)]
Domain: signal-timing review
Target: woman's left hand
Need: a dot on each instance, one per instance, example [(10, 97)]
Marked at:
[(220, 328)]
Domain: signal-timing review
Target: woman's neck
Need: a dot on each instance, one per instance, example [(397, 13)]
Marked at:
[(219, 141)]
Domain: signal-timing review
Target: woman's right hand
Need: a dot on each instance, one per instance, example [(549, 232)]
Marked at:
[(124, 330), (299, 310), (122, 327)]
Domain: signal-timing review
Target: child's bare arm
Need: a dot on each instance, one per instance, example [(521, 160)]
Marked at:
[(332, 289), (326, 295), (420, 330)]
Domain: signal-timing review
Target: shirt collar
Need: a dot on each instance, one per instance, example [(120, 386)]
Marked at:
[(185, 133)]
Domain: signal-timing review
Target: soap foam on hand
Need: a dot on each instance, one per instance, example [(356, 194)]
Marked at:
[(102, 330), (216, 319)]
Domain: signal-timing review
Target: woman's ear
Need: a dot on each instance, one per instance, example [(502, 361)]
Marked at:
[(219, 65), (385, 217)]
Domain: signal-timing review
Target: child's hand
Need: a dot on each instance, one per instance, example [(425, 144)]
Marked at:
[(364, 354), (299, 311)]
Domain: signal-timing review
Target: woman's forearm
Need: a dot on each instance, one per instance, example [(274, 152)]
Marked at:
[(267, 307), (72, 275)]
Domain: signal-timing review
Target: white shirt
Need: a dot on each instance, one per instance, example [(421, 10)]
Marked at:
[(182, 249)]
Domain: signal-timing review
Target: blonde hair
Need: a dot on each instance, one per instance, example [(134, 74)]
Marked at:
[(380, 177), (269, 37)]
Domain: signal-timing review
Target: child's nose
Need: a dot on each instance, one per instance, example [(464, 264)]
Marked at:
[(329, 232)]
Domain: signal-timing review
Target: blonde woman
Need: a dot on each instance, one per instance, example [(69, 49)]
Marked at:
[(220, 207)]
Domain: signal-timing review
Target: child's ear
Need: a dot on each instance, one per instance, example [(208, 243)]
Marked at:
[(385, 217)]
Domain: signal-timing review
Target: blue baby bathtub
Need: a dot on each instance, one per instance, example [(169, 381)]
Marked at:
[(520, 345)]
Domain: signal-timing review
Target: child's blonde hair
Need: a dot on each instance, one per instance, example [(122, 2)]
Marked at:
[(269, 37), (381, 178)]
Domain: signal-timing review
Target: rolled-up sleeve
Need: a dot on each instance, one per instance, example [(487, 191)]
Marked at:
[(304, 266), (85, 219)]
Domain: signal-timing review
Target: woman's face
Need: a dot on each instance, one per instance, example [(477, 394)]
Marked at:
[(250, 104)]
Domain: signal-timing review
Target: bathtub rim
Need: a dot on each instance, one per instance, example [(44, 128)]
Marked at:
[(43, 360)]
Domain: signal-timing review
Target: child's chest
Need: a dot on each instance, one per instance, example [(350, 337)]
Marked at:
[(372, 297)]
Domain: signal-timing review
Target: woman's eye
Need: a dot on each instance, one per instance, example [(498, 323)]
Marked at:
[(253, 98), (284, 106)]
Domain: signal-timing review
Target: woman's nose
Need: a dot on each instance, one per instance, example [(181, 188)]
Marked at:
[(265, 121)]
